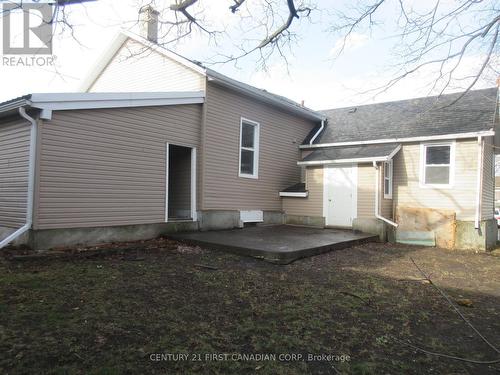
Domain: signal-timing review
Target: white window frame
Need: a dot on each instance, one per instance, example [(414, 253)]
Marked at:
[(389, 177), (255, 149), (423, 155)]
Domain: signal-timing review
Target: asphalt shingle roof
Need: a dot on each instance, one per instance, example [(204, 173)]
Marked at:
[(352, 152), (475, 111)]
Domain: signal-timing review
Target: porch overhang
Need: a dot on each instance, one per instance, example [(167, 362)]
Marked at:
[(351, 154)]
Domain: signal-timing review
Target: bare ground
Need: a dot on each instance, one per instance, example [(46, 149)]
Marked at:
[(95, 312)]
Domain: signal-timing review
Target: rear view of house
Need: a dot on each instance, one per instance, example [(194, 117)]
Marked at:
[(419, 171), (156, 143)]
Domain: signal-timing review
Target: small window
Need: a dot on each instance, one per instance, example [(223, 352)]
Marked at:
[(437, 164), (388, 179), (249, 149)]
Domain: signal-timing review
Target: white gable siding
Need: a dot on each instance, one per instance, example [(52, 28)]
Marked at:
[(135, 68)]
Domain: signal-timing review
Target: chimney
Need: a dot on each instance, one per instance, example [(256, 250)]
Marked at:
[(148, 22), (302, 103)]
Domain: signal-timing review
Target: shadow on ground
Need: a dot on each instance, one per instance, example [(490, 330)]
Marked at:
[(108, 315)]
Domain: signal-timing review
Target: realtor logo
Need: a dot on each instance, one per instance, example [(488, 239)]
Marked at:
[(27, 27)]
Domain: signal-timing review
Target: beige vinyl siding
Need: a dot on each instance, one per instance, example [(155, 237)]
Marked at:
[(366, 191), (139, 69), (14, 171), (461, 197), (107, 166), (280, 135), (313, 204), (488, 202)]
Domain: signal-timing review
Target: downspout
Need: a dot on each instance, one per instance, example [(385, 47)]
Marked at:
[(377, 193), (479, 195), (31, 180), (318, 132)]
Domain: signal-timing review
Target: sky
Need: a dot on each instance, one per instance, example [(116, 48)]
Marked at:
[(312, 73)]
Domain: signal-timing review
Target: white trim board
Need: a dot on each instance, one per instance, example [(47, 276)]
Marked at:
[(484, 133), (295, 194)]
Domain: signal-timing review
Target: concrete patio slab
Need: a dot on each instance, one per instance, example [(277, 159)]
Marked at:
[(277, 243)]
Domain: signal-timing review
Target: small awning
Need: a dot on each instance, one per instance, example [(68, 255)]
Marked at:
[(352, 154), (297, 190)]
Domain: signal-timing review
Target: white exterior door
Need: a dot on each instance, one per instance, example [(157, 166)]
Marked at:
[(340, 194)]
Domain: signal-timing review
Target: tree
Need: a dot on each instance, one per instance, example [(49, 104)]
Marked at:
[(429, 33), (433, 34)]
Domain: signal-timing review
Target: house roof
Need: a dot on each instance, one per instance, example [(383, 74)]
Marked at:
[(64, 101), (421, 117), (351, 154), (212, 75), (296, 188)]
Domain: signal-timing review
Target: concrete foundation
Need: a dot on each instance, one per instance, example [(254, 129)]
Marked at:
[(470, 238), (52, 238), (21, 240), (312, 221), (218, 219), (372, 226), (274, 217)]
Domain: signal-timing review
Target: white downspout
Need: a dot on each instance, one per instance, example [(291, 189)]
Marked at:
[(479, 183), (318, 132), (377, 189), (31, 180)]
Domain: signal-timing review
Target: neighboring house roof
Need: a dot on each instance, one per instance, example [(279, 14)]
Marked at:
[(414, 118), (351, 154), (212, 75), (65, 101)]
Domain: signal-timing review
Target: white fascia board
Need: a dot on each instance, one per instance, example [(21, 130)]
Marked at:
[(54, 102), (14, 105), (165, 52), (102, 61), (484, 133), (344, 161), (115, 46), (295, 195), (392, 154)]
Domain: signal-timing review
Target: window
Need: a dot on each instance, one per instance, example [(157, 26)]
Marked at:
[(437, 164), (388, 179), (249, 149)]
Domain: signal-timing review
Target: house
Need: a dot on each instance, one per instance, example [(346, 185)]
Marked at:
[(156, 143), (420, 170)]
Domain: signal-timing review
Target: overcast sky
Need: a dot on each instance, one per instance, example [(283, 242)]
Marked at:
[(312, 74)]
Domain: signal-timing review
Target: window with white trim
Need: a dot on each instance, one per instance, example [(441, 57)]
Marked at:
[(388, 179), (437, 164), (249, 148)]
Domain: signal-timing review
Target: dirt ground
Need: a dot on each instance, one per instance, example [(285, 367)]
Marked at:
[(160, 307)]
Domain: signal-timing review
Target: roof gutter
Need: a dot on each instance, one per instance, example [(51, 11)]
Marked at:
[(354, 160), (377, 197), (31, 180), (484, 133)]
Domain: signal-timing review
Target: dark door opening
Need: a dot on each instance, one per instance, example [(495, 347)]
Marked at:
[(179, 183)]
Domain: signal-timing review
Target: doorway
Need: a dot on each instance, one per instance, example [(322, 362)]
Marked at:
[(340, 195), (181, 183)]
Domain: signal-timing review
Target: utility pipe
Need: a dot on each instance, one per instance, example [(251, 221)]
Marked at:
[(377, 189), (31, 181)]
